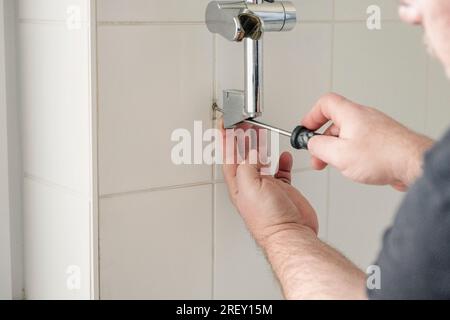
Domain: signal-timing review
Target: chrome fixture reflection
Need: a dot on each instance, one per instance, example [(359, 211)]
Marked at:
[(247, 21)]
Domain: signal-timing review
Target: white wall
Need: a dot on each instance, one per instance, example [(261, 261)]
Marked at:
[(55, 96), (171, 232), (11, 175)]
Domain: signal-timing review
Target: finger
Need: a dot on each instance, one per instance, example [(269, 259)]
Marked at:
[(329, 149), (229, 166), (318, 164), (220, 124), (285, 168), (246, 137), (248, 175), (399, 186), (332, 130), (229, 174), (330, 107)]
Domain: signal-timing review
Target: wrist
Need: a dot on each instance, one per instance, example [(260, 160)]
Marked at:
[(275, 234)]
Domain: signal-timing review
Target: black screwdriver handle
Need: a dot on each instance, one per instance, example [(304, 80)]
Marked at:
[(301, 136)]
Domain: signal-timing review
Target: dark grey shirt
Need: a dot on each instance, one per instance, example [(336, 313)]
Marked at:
[(415, 259)]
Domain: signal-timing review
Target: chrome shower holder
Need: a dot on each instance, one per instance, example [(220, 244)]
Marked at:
[(247, 21)]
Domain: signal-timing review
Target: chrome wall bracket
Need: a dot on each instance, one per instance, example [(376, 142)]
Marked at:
[(247, 21)]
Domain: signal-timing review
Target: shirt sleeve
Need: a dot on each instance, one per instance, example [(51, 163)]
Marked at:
[(415, 259)]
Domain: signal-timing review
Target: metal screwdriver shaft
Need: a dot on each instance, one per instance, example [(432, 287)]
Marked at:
[(266, 126), (300, 136)]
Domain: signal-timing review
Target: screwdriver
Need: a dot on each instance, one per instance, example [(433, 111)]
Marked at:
[(300, 136)]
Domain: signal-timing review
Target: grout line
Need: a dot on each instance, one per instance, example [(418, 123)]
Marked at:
[(301, 170), (156, 189), (96, 160), (49, 21), (215, 73), (181, 23), (93, 257), (213, 173), (213, 240), (54, 185), (327, 204), (175, 23), (145, 23), (331, 84), (180, 186)]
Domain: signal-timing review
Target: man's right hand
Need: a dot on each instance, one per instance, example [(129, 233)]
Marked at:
[(364, 144)]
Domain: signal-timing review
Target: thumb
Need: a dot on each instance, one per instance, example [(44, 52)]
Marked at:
[(248, 174), (329, 149)]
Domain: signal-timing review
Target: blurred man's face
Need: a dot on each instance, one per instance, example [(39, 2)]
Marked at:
[(434, 16)]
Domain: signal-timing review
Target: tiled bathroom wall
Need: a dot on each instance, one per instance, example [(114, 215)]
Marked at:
[(55, 93), (168, 231)]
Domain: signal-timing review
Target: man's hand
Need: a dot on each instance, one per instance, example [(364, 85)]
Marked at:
[(285, 225), (268, 204), (364, 144)]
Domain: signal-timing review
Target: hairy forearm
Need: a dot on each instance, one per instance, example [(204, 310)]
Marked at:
[(309, 269)]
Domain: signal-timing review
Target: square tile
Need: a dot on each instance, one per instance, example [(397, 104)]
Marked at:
[(308, 10), (157, 245), (148, 89), (57, 243), (55, 102), (438, 112), (357, 9), (60, 10), (241, 270), (358, 218), (385, 69), (151, 10)]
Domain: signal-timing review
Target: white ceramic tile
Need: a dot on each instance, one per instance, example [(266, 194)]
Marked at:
[(151, 10), (384, 69), (240, 269), (53, 9), (358, 217), (297, 72), (438, 117), (157, 245), (308, 10), (55, 101), (314, 186), (229, 66), (176, 10), (357, 9), (152, 80), (57, 234)]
